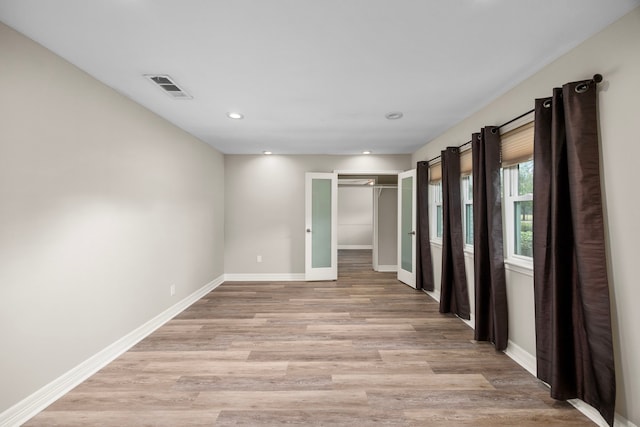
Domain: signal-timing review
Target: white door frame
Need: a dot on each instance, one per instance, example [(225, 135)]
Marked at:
[(375, 263), (374, 252)]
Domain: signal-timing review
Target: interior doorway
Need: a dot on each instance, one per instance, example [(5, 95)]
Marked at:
[(367, 220), (353, 262)]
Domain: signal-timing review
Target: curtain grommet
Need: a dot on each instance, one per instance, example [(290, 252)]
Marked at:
[(582, 87), (546, 103)]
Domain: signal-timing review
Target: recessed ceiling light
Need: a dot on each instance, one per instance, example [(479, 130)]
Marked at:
[(236, 116), (366, 152), (394, 116), (266, 153)]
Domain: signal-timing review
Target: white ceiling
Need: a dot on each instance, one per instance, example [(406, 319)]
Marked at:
[(313, 77)]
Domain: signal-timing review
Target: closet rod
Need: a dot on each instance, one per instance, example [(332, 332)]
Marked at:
[(597, 78)]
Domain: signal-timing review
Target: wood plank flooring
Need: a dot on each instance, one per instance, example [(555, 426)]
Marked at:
[(363, 351)]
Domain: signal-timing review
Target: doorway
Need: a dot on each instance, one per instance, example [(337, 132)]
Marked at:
[(321, 212), (367, 221)]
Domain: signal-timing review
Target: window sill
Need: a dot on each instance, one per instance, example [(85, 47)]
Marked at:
[(437, 243), (518, 266)]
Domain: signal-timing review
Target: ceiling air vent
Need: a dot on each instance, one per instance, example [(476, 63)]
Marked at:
[(168, 86)]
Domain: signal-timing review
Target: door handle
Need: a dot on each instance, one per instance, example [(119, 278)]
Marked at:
[(412, 233)]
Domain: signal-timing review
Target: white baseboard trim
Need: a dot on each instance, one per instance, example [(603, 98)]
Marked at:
[(521, 357), (528, 362), (472, 318), (471, 322), (355, 246), (590, 412), (265, 277), (433, 294), (29, 407), (387, 268), (593, 414)]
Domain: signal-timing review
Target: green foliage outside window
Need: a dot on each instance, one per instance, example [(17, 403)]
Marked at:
[(525, 178), (468, 238), (524, 211), (524, 228)]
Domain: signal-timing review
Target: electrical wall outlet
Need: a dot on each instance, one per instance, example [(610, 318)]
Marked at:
[(172, 290), (259, 258)]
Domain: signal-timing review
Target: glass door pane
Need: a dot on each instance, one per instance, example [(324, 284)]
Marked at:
[(321, 223), (407, 224)]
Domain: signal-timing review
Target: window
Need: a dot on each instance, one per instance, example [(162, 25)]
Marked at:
[(436, 216), (467, 210), (518, 196)]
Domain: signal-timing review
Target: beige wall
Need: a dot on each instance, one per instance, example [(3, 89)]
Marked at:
[(615, 53), (355, 216), (264, 206), (103, 206)]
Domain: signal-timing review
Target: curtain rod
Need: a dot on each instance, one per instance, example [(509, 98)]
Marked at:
[(597, 78)]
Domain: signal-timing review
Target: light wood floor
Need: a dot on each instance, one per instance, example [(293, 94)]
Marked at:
[(363, 351)]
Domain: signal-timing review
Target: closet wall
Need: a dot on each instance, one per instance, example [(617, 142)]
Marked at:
[(387, 228), (355, 217)]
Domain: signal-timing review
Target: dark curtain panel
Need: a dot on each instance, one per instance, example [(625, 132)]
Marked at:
[(573, 323), (454, 295), (424, 265), (490, 287)]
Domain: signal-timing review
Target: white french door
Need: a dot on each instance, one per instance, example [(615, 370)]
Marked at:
[(407, 227), (321, 226)]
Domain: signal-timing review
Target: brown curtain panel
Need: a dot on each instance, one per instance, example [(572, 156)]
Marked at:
[(454, 295), (490, 288), (573, 322), (424, 265)]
